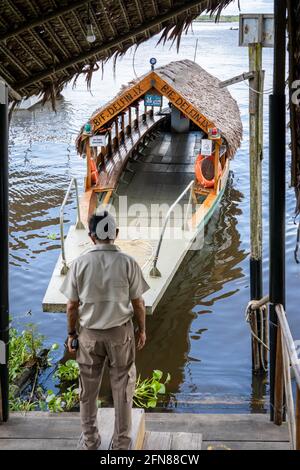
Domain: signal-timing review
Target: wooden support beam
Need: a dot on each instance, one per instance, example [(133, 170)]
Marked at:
[(88, 180), (34, 36), (96, 24), (279, 375), (216, 165), (43, 19), (255, 166), (14, 60), (124, 11), (117, 131), (67, 30), (237, 79), (108, 20), (155, 9), (115, 42), (139, 9)]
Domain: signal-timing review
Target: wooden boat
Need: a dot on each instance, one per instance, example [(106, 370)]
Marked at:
[(149, 155)]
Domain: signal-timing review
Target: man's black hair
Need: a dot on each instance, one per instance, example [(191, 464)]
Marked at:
[(93, 222)]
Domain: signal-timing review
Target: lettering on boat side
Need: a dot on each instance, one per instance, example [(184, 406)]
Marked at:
[(113, 109), (185, 107)]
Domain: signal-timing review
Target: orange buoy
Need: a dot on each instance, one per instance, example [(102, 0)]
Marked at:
[(94, 171), (205, 170)]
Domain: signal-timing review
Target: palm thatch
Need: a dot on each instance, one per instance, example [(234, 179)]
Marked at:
[(200, 89), (43, 43)]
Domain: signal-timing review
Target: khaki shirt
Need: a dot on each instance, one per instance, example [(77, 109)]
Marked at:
[(104, 280)]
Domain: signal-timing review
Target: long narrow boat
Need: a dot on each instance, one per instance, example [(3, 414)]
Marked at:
[(157, 155)]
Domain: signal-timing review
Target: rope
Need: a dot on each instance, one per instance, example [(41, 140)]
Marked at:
[(251, 318), (265, 92)]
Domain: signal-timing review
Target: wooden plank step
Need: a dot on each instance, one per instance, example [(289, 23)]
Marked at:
[(172, 441), (186, 441), (157, 441), (41, 430), (220, 427)]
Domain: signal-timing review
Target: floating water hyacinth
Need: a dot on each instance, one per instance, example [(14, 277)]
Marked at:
[(52, 236)]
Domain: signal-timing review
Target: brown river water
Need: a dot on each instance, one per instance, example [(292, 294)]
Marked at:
[(198, 333)]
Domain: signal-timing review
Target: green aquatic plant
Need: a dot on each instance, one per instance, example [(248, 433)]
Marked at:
[(70, 398), (147, 392), (24, 348), (53, 402), (52, 236), (26, 351), (68, 371), (18, 404), (67, 401)]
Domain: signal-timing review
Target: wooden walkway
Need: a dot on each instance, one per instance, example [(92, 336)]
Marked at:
[(151, 431)]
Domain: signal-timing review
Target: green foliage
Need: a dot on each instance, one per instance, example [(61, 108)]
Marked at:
[(23, 349), (53, 402), (59, 403), (52, 236), (68, 371), (147, 391), (222, 19)]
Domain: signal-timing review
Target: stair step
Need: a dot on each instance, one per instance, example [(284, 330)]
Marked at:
[(172, 441), (106, 420)]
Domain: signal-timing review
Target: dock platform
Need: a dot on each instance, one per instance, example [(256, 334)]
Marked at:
[(151, 431)]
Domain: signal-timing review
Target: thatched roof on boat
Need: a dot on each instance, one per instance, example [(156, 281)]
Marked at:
[(195, 92), (43, 43)]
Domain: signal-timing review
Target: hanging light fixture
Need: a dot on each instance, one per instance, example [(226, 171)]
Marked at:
[(90, 35)]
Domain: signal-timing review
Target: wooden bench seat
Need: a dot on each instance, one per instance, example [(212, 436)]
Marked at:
[(113, 167)]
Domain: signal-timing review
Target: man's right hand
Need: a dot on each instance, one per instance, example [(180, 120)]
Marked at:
[(140, 340)]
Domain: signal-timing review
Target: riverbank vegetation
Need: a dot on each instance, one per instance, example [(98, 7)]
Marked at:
[(28, 358), (222, 19)]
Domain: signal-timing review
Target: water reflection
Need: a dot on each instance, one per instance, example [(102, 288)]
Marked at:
[(203, 274)]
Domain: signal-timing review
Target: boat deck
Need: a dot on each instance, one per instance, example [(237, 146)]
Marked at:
[(157, 177), (151, 431)]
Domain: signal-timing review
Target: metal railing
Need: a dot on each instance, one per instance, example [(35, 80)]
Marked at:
[(154, 272), (79, 224), (286, 361)]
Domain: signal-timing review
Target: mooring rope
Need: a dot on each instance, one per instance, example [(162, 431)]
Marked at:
[(251, 318)]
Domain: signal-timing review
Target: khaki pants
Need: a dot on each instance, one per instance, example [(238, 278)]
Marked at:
[(118, 346)]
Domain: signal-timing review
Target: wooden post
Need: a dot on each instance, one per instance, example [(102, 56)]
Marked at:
[(88, 179), (298, 418), (137, 115), (109, 145), (256, 154), (277, 185), (117, 130), (4, 265), (216, 165), (129, 118), (123, 126), (279, 376)]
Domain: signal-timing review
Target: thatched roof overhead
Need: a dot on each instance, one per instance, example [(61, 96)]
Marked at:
[(188, 87), (43, 43)]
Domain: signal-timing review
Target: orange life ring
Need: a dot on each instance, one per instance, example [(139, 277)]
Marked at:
[(204, 168), (94, 171)]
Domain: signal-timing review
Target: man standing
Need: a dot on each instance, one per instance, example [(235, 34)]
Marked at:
[(104, 288)]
